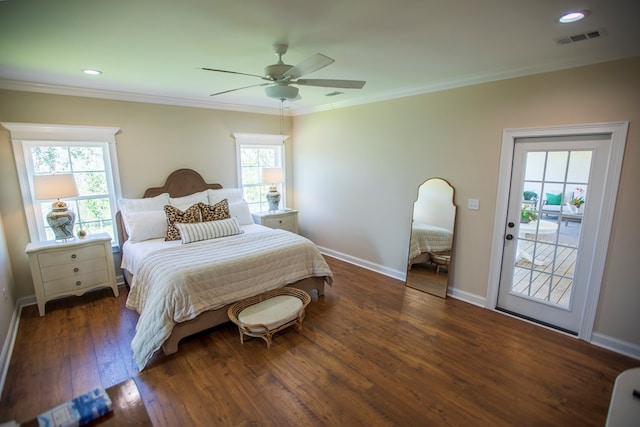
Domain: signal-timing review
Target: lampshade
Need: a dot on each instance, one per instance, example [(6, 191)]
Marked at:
[(60, 218), (272, 175), (54, 186)]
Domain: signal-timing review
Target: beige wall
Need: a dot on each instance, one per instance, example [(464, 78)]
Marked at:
[(358, 169), (153, 141)]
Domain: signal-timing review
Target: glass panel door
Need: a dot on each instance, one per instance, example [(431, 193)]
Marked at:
[(556, 187)]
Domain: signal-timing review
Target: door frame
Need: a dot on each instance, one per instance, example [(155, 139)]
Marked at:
[(618, 132)]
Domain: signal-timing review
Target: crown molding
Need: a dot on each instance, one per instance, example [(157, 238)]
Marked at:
[(438, 86), (130, 96), (470, 81)]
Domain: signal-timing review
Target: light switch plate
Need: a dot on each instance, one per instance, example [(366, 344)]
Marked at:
[(473, 204)]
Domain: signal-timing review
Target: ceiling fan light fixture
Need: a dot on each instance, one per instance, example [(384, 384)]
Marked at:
[(571, 17), (281, 76), (281, 92)]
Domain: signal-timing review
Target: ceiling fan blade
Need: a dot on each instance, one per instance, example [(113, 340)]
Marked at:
[(341, 84), (233, 72), (239, 88), (309, 65)]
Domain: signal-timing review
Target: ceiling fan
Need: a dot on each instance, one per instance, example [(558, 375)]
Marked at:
[(280, 76)]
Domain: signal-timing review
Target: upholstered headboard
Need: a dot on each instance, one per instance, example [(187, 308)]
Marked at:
[(179, 183)]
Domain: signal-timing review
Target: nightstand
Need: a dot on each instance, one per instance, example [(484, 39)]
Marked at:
[(284, 220), (71, 268)]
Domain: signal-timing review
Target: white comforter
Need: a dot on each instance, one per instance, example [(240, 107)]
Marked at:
[(178, 283), (429, 238)]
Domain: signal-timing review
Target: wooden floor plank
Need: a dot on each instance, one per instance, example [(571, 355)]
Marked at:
[(371, 352)]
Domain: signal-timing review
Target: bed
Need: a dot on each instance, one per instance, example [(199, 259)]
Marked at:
[(428, 240), (181, 289)]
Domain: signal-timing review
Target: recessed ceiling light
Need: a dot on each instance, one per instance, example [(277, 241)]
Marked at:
[(92, 72), (571, 17)]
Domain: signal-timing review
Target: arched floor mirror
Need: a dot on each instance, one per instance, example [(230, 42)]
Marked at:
[(431, 242)]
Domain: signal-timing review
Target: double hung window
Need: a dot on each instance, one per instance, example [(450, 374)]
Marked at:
[(255, 152), (88, 153)]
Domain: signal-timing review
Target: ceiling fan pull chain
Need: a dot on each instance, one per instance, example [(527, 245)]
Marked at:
[(282, 119)]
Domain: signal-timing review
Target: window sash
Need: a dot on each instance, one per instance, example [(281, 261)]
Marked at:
[(81, 204)]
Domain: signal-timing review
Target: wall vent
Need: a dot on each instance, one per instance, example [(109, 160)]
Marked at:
[(580, 37)]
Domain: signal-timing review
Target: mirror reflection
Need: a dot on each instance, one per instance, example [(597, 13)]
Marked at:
[(431, 241)]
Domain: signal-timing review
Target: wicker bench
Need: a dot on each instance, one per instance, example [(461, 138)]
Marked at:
[(441, 260), (263, 315)]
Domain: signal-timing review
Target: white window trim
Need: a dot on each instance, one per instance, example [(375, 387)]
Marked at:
[(33, 132), (262, 139)]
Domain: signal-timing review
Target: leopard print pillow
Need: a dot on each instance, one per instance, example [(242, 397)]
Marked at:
[(215, 212), (175, 215)]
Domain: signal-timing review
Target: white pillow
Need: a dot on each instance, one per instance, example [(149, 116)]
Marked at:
[(144, 205), (142, 226), (231, 194), (184, 203), (197, 231), (240, 211)]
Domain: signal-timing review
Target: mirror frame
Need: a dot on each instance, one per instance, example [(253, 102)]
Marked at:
[(434, 285)]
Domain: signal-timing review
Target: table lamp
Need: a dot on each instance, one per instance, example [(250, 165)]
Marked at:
[(272, 176), (60, 218)]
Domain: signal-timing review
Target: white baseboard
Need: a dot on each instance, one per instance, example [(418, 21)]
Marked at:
[(452, 291), (474, 299), (614, 344), (7, 347), (600, 340), (10, 340), (395, 274)]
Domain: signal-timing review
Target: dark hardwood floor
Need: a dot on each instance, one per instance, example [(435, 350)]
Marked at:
[(372, 352)]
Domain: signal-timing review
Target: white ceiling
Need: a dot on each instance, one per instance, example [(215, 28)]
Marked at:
[(150, 50)]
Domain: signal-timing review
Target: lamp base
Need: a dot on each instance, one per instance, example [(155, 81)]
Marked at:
[(273, 198), (61, 222)]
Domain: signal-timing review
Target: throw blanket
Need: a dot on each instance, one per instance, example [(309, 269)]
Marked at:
[(176, 284), (429, 238)]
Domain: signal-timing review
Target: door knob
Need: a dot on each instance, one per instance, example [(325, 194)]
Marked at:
[(509, 237)]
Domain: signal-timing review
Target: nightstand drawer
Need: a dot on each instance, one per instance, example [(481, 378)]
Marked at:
[(69, 256), (285, 222), (74, 284), (71, 270)]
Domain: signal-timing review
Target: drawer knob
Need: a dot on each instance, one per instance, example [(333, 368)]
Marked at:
[(74, 256), (78, 283), (280, 221), (75, 270)]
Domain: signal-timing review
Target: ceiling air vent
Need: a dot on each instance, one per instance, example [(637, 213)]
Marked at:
[(579, 37)]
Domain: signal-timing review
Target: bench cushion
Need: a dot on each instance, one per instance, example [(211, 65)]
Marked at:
[(271, 312)]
